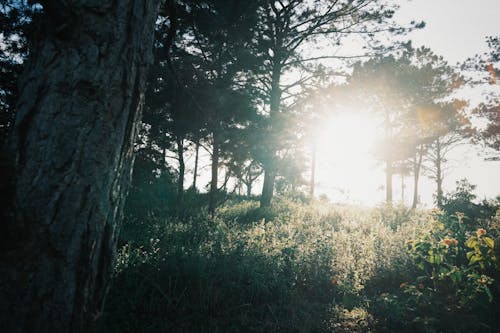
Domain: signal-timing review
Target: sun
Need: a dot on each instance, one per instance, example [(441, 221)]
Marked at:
[(349, 135), (346, 169)]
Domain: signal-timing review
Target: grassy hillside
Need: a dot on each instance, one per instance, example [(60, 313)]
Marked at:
[(306, 267)]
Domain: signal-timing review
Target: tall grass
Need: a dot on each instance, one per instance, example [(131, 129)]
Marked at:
[(292, 268)]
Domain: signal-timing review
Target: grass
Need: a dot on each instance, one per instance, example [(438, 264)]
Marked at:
[(292, 268)]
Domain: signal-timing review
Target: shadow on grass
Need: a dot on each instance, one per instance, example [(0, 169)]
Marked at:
[(234, 292)]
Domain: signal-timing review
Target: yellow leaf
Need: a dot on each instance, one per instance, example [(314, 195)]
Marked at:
[(489, 242), (472, 242)]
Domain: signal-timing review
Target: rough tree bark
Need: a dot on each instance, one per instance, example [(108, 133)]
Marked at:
[(80, 100)]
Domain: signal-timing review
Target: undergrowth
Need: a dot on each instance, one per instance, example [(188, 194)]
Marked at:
[(294, 267)]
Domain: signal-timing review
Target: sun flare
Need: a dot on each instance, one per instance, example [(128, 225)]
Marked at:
[(346, 169), (349, 137)]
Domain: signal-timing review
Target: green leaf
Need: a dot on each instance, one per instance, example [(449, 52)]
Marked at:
[(421, 278), (456, 276), (443, 270)]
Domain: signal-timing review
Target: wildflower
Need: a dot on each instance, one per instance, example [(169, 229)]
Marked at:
[(335, 281), (483, 280), (437, 211), (460, 216), (480, 232), (450, 242), (403, 285)]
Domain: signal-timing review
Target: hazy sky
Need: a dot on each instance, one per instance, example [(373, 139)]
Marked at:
[(455, 29), (346, 170)]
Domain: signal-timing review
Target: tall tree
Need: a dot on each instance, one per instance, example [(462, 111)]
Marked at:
[(449, 126), (80, 100), (380, 83), (227, 56), (172, 113), (285, 29), (406, 90), (243, 154), (488, 65)]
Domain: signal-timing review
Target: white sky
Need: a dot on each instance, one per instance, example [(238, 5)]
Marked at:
[(454, 29)]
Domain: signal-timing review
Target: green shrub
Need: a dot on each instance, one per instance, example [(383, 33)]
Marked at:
[(451, 290)]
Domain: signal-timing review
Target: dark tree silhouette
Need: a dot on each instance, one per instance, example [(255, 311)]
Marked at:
[(80, 101)]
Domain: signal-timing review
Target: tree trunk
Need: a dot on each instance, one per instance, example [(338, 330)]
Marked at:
[(239, 186), (249, 188), (389, 159), (227, 176), (388, 182), (267, 189), (439, 174), (195, 174), (80, 99), (313, 172), (269, 167), (402, 189), (182, 168), (417, 163), (212, 205)]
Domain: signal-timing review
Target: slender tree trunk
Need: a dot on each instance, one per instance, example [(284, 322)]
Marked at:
[(182, 168), (389, 170), (227, 175), (270, 165), (164, 156), (313, 172), (402, 188), (267, 189), (388, 181), (249, 188), (415, 191), (417, 163), (212, 205), (439, 174), (81, 98), (195, 174)]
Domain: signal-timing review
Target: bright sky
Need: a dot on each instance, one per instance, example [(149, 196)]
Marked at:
[(346, 170), (455, 29)]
